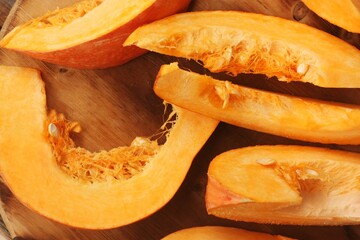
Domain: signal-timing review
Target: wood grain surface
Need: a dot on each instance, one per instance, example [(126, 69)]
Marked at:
[(4, 10), (117, 104)]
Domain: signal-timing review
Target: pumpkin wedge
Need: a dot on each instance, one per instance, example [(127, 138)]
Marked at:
[(220, 233), (90, 33), (236, 42), (278, 114), (45, 171), (343, 13), (285, 185)]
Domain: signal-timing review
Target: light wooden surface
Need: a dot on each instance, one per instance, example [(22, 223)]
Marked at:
[(117, 104)]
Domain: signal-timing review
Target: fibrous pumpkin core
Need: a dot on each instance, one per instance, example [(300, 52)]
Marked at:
[(117, 164), (309, 177), (242, 53), (65, 16)]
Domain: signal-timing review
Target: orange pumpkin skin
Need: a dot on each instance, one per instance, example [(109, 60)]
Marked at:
[(104, 52), (107, 50)]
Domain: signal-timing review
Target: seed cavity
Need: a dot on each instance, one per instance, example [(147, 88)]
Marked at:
[(60, 17), (117, 164), (53, 130), (266, 161)]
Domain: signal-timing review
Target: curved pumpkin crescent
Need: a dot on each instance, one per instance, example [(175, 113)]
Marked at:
[(343, 13), (27, 162), (90, 33), (279, 114), (220, 233), (238, 42), (297, 184)]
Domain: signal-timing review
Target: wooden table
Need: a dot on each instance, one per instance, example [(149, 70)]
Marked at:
[(121, 98)]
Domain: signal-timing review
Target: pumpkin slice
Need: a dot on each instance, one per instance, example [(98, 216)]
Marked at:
[(90, 33), (343, 13), (69, 184), (296, 184), (220, 233), (287, 116), (237, 42)]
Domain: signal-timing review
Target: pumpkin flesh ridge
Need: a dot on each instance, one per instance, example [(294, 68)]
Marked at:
[(29, 161), (53, 31), (235, 43), (327, 195), (86, 34), (283, 115), (220, 233), (343, 13)]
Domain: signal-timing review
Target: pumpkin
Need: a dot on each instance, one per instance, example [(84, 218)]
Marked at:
[(220, 233), (90, 33), (297, 184), (343, 13), (236, 42), (278, 114), (49, 174)]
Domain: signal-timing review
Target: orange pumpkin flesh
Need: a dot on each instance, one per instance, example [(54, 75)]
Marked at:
[(344, 13), (236, 42), (285, 185), (287, 116), (89, 34), (38, 169), (220, 233)]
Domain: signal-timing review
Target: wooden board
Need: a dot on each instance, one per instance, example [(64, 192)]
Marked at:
[(117, 104)]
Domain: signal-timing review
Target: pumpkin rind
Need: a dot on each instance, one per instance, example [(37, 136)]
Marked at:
[(220, 233), (343, 13), (93, 40), (278, 114), (30, 170), (327, 182), (236, 42)]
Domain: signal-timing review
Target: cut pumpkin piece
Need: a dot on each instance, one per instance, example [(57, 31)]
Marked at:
[(90, 33), (278, 114), (220, 233), (46, 172), (343, 13), (236, 42), (296, 184)]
